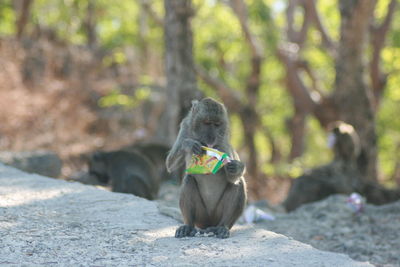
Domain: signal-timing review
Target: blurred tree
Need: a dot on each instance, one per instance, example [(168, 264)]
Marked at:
[(244, 103), (354, 99), (353, 96), (181, 78), (301, 81), (89, 24), (23, 9), (243, 51)]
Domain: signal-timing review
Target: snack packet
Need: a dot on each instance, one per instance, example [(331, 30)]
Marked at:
[(208, 163)]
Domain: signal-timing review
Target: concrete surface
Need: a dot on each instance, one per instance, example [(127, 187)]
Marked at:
[(49, 222)]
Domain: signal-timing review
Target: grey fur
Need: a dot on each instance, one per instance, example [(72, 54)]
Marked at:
[(128, 172), (210, 202)]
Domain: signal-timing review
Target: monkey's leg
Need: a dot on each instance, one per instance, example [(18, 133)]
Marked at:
[(192, 208), (229, 209)]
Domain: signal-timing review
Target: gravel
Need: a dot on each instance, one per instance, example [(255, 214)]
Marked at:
[(372, 235)]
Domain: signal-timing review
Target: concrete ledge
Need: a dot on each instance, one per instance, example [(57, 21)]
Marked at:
[(45, 221)]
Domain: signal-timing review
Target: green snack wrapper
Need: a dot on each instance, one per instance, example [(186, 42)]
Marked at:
[(208, 163)]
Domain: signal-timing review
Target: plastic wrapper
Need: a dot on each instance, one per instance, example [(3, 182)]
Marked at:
[(252, 214), (207, 163), (356, 202)]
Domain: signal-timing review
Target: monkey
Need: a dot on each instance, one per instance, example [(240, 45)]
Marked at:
[(210, 202), (338, 177), (342, 176), (127, 171), (344, 141), (317, 184), (157, 154)]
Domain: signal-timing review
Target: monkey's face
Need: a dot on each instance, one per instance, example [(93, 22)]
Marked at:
[(209, 130), (209, 122)]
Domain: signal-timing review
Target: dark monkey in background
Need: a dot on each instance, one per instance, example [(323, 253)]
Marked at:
[(211, 202)]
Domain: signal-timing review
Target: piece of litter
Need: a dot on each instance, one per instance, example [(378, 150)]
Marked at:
[(356, 202), (252, 214)]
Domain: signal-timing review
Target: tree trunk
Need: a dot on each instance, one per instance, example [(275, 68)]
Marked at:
[(250, 123), (22, 10), (90, 24), (144, 48), (179, 66), (352, 95), (297, 127)]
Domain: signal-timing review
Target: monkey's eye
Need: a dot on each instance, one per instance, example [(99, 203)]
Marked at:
[(217, 124), (207, 122)]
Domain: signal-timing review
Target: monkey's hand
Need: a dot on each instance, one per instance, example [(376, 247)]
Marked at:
[(193, 146), (234, 169)]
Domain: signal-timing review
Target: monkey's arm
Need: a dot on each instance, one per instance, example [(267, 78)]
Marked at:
[(234, 169), (182, 146), (175, 157)]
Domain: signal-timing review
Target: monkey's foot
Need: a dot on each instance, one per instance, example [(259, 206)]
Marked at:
[(185, 230), (218, 231)]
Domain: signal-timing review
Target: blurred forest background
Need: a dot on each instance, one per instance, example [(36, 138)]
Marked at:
[(81, 75)]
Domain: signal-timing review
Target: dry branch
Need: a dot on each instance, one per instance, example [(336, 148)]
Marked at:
[(146, 5), (327, 42), (230, 96), (297, 37)]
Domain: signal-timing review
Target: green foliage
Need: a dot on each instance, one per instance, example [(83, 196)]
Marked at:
[(116, 98), (117, 57), (321, 63), (329, 13), (264, 24), (381, 10), (317, 151), (394, 36), (118, 23), (64, 17), (388, 120), (7, 18), (236, 126), (219, 49), (118, 26)]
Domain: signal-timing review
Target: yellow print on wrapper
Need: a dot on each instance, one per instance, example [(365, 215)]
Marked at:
[(207, 163)]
